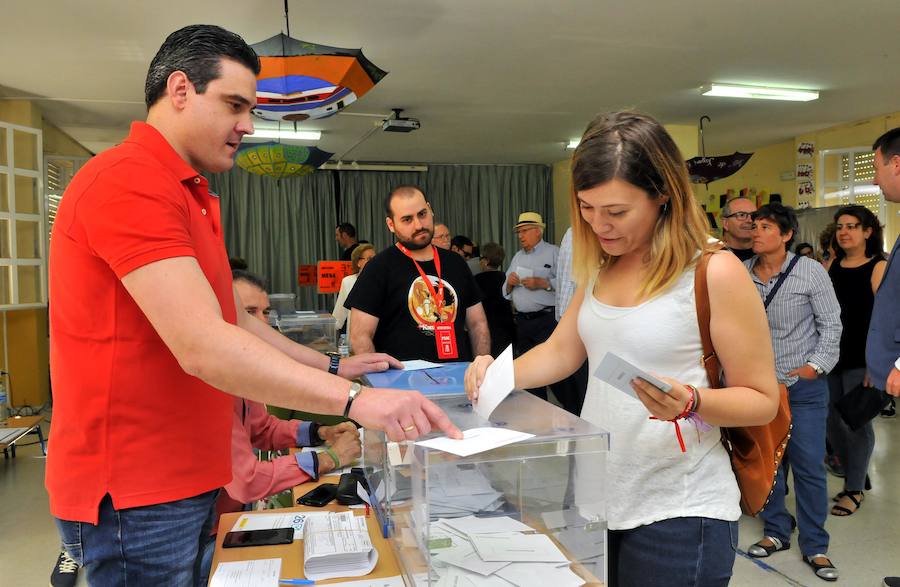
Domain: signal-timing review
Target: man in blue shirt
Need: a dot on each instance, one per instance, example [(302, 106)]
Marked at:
[(883, 341)]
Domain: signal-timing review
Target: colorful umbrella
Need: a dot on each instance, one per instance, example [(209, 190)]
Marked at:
[(707, 169), (301, 80), (279, 160)]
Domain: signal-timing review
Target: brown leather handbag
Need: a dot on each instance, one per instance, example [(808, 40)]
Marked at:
[(755, 451)]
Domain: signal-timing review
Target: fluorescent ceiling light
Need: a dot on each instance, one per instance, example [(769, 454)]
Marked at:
[(573, 143), (758, 92), (290, 135)]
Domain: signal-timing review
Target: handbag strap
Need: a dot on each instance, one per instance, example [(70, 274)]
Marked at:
[(709, 360), (780, 281)]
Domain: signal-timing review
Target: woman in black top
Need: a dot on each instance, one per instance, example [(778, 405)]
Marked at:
[(497, 308), (856, 273)]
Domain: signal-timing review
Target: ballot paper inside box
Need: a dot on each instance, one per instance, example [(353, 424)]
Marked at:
[(544, 493)]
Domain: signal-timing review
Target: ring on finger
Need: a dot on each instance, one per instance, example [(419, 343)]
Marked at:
[(409, 428)]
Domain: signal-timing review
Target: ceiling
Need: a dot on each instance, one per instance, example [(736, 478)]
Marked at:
[(492, 81)]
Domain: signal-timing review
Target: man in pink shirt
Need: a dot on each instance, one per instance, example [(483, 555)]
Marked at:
[(254, 428)]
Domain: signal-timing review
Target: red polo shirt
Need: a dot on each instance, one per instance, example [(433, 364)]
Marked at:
[(127, 420)]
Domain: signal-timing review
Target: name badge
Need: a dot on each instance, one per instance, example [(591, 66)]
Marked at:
[(445, 339)]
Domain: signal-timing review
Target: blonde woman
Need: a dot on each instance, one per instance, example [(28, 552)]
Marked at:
[(358, 259), (638, 233)]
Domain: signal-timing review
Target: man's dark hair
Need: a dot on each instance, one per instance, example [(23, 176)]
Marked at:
[(867, 219), (783, 216), (397, 191), (827, 240), (889, 143), (798, 250), (347, 229), (197, 50), (238, 263), (459, 241), (494, 254), (249, 277)]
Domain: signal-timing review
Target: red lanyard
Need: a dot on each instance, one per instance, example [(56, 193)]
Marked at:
[(438, 296)]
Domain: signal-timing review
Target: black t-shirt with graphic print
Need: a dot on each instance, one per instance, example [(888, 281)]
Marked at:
[(391, 289)]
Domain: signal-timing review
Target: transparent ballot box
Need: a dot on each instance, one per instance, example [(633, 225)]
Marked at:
[(313, 329), (529, 513)]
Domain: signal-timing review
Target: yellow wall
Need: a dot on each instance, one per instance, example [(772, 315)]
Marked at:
[(27, 330), (562, 187)]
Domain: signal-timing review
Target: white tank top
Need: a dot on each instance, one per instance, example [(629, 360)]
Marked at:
[(648, 478)]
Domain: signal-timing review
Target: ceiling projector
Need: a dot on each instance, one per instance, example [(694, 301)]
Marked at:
[(400, 124)]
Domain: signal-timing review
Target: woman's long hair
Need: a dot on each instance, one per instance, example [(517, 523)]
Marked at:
[(635, 148)]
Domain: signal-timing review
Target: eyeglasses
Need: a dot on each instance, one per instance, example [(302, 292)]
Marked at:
[(739, 215)]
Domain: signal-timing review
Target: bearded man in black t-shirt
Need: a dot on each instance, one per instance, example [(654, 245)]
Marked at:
[(414, 300)]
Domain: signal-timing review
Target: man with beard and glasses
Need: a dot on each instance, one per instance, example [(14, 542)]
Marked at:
[(416, 299)]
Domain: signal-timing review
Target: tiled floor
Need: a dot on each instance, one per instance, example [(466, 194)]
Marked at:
[(865, 546)]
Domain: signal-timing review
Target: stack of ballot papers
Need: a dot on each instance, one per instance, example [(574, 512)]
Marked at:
[(337, 545), (496, 551), (457, 491), (255, 573)]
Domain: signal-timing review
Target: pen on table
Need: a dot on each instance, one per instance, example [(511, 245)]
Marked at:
[(297, 581)]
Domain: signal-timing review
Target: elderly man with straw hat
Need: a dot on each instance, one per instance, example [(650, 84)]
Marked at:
[(531, 287)]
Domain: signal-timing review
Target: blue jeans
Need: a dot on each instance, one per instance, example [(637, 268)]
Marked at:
[(150, 545), (854, 448), (679, 552), (806, 454)]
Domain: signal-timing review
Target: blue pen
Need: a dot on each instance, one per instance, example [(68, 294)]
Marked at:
[(297, 581)]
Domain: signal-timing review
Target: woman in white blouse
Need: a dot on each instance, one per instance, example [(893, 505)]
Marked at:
[(672, 505), (361, 255)]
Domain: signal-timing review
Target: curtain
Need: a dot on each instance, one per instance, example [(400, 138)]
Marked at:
[(479, 201), (277, 225)]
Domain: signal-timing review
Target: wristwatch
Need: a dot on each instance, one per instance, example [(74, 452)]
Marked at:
[(355, 390), (818, 370), (334, 363)]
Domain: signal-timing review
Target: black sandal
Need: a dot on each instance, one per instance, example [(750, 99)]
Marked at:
[(842, 512)]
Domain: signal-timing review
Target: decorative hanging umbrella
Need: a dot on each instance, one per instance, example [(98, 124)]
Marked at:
[(278, 160), (705, 169), (301, 80)]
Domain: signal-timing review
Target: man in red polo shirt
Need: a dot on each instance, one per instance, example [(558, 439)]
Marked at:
[(145, 337)]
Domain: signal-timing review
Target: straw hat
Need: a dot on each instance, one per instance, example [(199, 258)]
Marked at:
[(530, 218)]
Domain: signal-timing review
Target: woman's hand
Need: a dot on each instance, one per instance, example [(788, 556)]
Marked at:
[(663, 406), (475, 375)]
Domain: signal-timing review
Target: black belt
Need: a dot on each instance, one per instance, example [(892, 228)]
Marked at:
[(533, 315)]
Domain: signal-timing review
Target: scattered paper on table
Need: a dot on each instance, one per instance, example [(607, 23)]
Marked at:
[(395, 581), (527, 574), (295, 520), (252, 573), (476, 440), (466, 558), (470, 525), (515, 547), (418, 365)]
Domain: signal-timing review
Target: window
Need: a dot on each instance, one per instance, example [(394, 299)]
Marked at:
[(845, 177), (23, 248)]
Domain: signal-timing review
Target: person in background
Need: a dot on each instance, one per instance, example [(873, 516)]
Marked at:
[(804, 321), (856, 275), (736, 226), (441, 238), (805, 250), (497, 308), (882, 342), (474, 262), (462, 246), (672, 510), (253, 428), (827, 245), (358, 260), (576, 384), (345, 235)]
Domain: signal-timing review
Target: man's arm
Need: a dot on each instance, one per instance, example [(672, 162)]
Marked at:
[(363, 332), (479, 334), (177, 299)]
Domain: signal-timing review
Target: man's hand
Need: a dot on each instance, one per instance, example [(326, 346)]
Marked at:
[(513, 280), (329, 433), (359, 365), (536, 283), (893, 383), (804, 372), (403, 415)]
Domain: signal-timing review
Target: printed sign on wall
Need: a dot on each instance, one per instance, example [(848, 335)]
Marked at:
[(331, 273)]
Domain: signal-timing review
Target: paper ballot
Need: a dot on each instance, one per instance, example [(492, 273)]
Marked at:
[(418, 365), (476, 440), (255, 573), (524, 272), (499, 381), (337, 545), (618, 372)]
